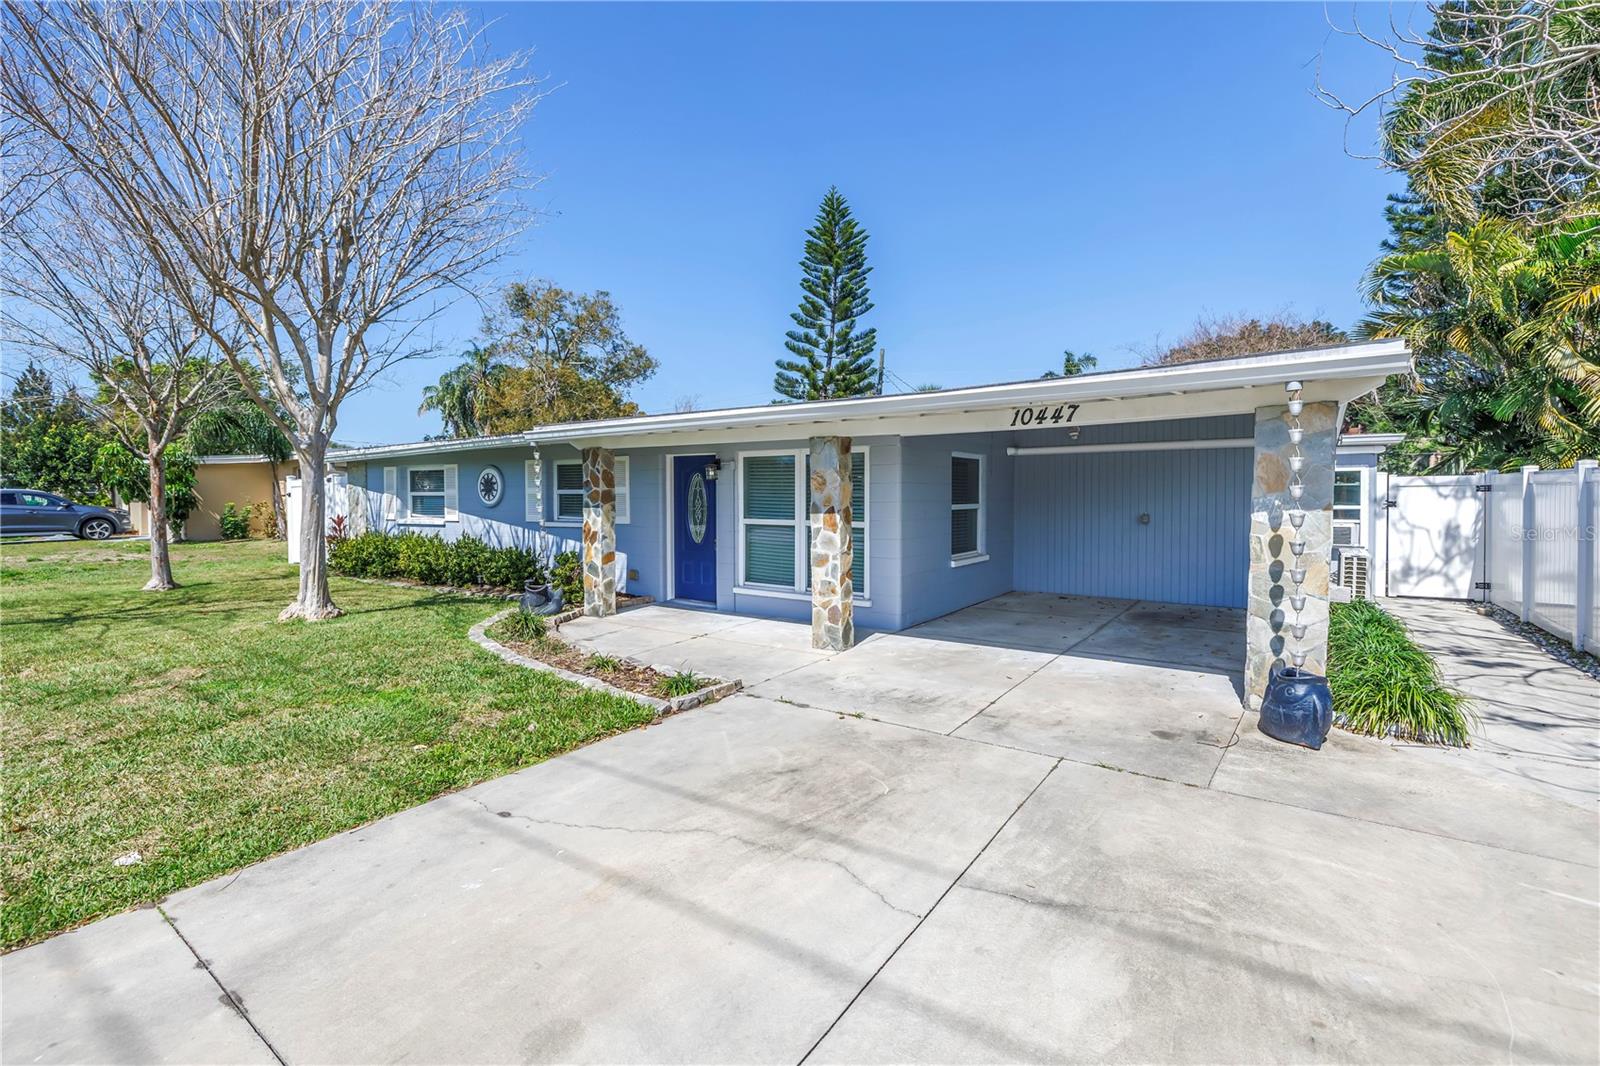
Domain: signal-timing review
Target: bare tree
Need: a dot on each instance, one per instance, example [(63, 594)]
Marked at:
[(80, 293), (1494, 89), (685, 403), (330, 172)]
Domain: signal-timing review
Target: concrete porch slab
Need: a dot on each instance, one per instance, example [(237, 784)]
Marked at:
[(909, 680), (1165, 722), (126, 990), (1175, 642), (1117, 918), (1013, 627), (684, 621), (715, 888)]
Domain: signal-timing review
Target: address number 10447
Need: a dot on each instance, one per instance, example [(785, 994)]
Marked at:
[(1060, 414)]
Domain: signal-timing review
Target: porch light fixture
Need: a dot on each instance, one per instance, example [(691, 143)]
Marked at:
[(713, 468)]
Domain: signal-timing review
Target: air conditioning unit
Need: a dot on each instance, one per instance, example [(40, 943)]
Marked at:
[(1353, 572)]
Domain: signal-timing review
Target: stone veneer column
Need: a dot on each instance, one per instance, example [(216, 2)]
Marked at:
[(599, 532), (1268, 638), (832, 549)]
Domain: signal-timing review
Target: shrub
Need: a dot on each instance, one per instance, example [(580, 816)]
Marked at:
[(1383, 684), (431, 560), (235, 521), (603, 664), (525, 626), (567, 575), (681, 683)]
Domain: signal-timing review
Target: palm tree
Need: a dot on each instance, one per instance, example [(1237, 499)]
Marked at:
[(239, 427), (1505, 328), (460, 393), (1073, 364)]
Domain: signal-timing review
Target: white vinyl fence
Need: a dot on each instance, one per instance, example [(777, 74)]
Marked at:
[(1542, 549), (1525, 541)]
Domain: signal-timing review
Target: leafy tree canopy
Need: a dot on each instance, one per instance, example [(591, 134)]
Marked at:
[(129, 476), (48, 441), (831, 359), (550, 355)]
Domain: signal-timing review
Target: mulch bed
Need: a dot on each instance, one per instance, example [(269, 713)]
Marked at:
[(555, 651)]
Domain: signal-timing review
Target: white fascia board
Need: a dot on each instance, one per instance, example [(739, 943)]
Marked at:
[(1332, 374), (1228, 386)]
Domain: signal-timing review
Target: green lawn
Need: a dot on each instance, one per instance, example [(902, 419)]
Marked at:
[(192, 727)]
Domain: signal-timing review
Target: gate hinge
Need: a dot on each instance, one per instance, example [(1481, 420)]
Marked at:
[(1482, 488), (1388, 504), (1483, 585)]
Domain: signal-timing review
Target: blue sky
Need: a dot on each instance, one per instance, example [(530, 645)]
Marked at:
[(1033, 177)]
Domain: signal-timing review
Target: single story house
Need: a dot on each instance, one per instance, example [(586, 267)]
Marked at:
[(246, 481), (1165, 483)]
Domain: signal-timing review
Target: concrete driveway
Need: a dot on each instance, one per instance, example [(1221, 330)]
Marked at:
[(774, 879)]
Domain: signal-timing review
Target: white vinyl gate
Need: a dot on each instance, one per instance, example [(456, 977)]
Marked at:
[(1526, 541), (1436, 543)]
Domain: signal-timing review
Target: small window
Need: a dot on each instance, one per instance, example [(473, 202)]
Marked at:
[(427, 491), (966, 506), (569, 490), (1347, 495)]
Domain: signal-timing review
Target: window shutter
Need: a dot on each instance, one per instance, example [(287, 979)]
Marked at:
[(451, 499), (391, 493), (532, 491), (620, 471)]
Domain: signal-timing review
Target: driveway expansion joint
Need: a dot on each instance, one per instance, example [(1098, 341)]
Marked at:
[(227, 993)]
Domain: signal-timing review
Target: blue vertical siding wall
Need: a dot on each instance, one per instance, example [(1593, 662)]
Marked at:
[(1077, 522)]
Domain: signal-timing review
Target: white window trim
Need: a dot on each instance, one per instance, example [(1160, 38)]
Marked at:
[(412, 517), (980, 555), (621, 472), (801, 523), (801, 550), (1361, 522)]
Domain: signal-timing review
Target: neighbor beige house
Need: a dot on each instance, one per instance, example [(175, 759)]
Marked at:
[(242, 480)]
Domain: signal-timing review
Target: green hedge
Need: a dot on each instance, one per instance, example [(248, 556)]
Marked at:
[(1383, 684), (432, 560)]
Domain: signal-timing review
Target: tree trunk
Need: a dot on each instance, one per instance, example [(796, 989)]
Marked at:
[(314, 602), (160, 556), (278, 522)]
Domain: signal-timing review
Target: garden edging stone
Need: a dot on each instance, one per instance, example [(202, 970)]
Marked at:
[(478, 634)]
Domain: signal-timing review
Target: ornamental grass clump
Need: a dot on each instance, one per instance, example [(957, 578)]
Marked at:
[(1385, 685)]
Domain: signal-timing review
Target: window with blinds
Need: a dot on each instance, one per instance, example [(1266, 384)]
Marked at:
[(966, 506), (770, 519)]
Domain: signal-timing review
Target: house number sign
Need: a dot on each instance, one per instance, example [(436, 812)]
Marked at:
[(1044, 415)]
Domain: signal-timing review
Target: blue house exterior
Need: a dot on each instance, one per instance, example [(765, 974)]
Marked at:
[(1129, 484)]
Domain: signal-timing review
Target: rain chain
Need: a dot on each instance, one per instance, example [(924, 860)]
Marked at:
[(1297, 519)]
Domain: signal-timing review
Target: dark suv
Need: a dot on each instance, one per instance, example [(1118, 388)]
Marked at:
[(34, 512)]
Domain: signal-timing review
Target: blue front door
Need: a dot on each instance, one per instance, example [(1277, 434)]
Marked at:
[(694, 529)]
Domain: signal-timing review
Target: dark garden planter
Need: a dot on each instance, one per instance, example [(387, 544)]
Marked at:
[(1297, 707), (541, 598)]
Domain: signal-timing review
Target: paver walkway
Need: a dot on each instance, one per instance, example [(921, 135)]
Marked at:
[(765, 881)]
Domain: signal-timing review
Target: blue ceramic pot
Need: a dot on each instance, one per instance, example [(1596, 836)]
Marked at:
[(1297, 707)]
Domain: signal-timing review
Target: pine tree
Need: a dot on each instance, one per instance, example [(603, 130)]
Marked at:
[(832, 359)]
